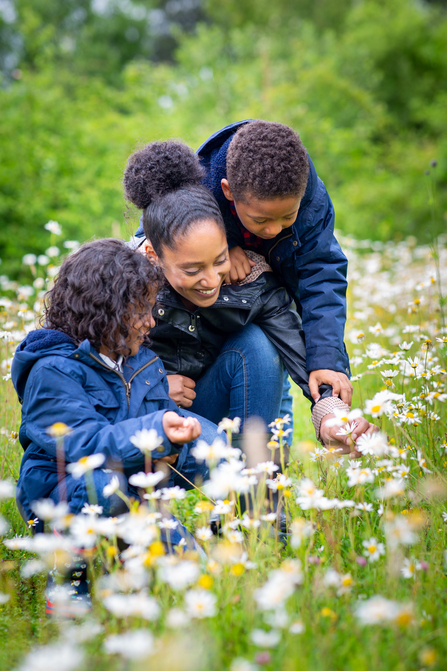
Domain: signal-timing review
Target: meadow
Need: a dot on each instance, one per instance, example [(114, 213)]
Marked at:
[(360, 580)]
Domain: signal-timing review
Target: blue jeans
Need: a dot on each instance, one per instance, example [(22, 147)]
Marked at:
[(247, 379)]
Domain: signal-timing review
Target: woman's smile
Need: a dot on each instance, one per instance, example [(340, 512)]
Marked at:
[(208, 292)]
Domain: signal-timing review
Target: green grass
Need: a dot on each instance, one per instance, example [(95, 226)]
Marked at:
[(333, 636)]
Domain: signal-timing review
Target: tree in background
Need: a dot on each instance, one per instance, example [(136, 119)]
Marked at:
[(86, 81)]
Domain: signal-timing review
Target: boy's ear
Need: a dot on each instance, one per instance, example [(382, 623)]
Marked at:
[(149, 250), (226, 189)]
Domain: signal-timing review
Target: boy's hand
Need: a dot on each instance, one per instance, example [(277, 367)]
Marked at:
[(180, 430), (241, 265), (328, 434), (339, 382), (181, 390)]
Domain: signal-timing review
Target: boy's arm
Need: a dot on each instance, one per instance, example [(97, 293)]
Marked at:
[(54, 396), (320, 268)]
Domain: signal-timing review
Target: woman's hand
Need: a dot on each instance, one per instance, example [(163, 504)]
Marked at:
[(330, 434), (241, 266), (181, 390), (339, 382), (180, 430)]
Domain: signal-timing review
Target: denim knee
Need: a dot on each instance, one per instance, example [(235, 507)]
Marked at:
[(256, 349)]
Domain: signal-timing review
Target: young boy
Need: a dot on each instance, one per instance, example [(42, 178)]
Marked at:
[(273, 202)]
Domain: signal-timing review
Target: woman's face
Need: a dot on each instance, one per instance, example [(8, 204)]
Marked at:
[(197, 265)]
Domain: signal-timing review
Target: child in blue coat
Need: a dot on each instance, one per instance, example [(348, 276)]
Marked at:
[(91, 369), (273, 202), (90, 375)]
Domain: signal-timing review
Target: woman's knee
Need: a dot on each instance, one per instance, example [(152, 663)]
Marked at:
[(259, 355)]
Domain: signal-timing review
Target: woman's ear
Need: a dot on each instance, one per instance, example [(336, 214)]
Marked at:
[(226, 189), (149, 251)]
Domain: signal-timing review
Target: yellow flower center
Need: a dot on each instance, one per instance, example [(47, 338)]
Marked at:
[(237, 569), (205, 581)]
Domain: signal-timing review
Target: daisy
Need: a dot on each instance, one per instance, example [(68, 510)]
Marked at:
[(204, 534), (200, 603), (112, 487), (421, 461), (232, 425), (373, 549), (85, 464), (146, 480), (146, 440), (409, 568)]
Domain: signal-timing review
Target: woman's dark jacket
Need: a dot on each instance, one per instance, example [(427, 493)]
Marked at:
[(189, 342)]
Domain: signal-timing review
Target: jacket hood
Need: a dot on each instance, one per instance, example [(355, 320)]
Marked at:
[(220, 136), (36, 345)]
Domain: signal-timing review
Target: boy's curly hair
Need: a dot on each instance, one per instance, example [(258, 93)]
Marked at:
[(265, 160), (99, 291)]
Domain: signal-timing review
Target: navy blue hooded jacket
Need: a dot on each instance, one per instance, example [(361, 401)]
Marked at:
[(58, 381), (306, 257)]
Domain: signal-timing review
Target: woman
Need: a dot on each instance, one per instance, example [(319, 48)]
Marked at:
[(220, 343)]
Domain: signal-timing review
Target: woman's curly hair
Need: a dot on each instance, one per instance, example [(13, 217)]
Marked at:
[(98, 293), (265, 160), (164, 179)]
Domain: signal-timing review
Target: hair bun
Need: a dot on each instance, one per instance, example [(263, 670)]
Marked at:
[(158, 169)]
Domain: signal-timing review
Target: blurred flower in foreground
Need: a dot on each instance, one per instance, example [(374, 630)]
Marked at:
[(200, 603), (134, 644), (227, 424), (377, 610), (373, 549), (147, 440), (85, 464), (58, 657), (46, 509), (7, 489), (58, 430), (265, 639)]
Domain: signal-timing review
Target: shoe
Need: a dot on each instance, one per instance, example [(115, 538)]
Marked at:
[(68, 595)]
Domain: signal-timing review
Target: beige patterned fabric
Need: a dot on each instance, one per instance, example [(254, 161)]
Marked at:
[(324, 407), (261, 267)]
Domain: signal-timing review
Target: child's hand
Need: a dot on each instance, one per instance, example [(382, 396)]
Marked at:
[(339, 382), (181, 390), (241, 265), (180, 430), (329, 434)]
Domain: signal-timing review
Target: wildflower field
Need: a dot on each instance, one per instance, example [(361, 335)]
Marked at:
[(359, 582)]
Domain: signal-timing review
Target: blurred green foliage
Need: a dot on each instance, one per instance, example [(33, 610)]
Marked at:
[(86, 81)]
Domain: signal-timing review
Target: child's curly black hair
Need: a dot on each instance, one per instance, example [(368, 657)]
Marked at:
[(265, 160), (99, 291), (164, 179)]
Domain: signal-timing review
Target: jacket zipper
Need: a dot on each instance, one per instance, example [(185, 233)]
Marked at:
[(121, 377)]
